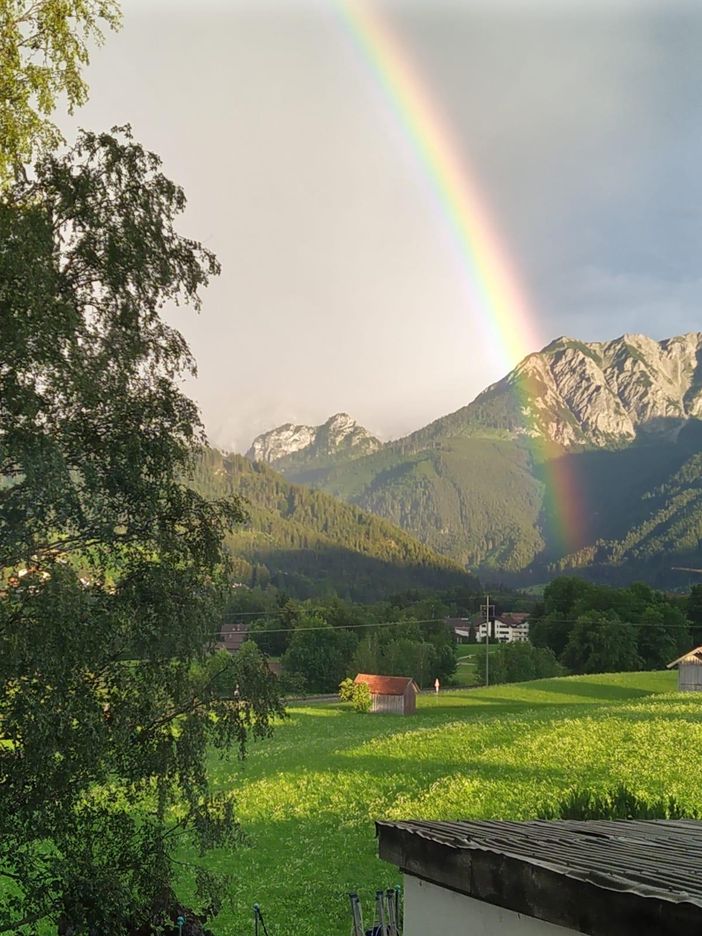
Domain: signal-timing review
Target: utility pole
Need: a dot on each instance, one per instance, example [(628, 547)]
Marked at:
[(487, 608)]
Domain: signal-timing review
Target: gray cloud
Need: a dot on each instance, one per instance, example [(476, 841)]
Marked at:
[(339, 289)]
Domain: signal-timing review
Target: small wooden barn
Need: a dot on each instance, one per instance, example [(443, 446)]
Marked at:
[(689, 670), (396, 695)]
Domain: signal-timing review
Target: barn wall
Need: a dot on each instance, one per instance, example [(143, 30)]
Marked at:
[(390, 704), (410, 701), (690, 677)]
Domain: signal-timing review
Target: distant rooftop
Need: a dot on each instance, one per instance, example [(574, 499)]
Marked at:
[(602, 878), (386, 685)]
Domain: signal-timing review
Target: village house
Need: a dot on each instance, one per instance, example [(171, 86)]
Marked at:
[(509, 627), (548, 878), (689, 670), (396, 695), (461, 628), (232, 636)]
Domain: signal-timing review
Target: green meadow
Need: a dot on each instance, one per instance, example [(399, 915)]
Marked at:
[(309, 796), (468, 656)]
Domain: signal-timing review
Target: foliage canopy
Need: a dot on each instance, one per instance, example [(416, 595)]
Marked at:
[(44, 46), (112, 568), (358, 694)]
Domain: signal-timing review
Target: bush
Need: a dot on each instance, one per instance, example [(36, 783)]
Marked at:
[(358, 694)]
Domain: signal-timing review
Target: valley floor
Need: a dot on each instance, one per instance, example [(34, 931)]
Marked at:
[(308, 798)]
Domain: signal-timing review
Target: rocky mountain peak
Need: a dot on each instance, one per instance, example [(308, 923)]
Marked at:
[(339, 434), (574, 392)]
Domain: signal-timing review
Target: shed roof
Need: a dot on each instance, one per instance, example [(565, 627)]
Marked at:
[(601, 878), (692, 656), (386, 685)]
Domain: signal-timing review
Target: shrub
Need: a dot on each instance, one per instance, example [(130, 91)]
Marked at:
[(358, 694)]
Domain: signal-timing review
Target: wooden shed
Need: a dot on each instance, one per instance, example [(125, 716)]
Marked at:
[(396, 695), (689, 670)]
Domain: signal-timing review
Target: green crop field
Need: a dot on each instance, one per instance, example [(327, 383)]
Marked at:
[(308, 797)]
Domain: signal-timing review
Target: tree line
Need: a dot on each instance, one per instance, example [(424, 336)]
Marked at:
[(599, 629), (320, 642)]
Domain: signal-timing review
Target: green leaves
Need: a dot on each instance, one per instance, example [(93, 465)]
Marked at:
[(43, 50), (96, 430), (357, 693), (112, 568)]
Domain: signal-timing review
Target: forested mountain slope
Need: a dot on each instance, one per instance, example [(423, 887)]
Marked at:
[(307, 542)]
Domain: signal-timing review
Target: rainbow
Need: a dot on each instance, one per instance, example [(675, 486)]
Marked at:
[(496, 296)]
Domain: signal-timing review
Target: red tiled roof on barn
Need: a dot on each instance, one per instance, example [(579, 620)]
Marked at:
[(386, 685)]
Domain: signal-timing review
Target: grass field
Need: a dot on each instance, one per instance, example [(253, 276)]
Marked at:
[(467, 655), (308, 797)]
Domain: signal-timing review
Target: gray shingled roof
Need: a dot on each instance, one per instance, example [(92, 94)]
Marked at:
[(597, 877)]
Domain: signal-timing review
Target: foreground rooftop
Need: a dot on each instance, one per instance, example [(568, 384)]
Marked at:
[(604, 878)]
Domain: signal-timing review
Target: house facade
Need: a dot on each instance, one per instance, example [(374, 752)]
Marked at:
[(232, 636), (510, 627)]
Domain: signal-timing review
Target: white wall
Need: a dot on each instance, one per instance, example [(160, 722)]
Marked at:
[(430, 909), (503, 633)]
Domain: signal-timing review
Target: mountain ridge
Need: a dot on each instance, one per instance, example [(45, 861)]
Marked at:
[(575, 393), (622, 416), (572, 393), (306, 542)]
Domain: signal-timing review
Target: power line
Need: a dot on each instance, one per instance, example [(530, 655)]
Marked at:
[(326, 627), (287, 630), (631, 624)]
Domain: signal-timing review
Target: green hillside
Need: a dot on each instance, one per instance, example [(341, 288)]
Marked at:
[(484, 501), (475, 500), (650, 512), (585, 456), (307, 542)]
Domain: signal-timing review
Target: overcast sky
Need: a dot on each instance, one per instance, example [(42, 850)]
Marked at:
[(339, 290)]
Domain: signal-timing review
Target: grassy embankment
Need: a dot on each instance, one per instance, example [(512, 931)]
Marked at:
[(467, 655), (309, 796)]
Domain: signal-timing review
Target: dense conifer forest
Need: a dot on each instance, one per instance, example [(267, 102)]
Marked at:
[(307, 543)]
